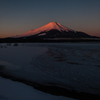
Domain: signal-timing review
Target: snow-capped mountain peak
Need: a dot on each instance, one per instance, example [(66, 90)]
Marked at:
[(46, 28)]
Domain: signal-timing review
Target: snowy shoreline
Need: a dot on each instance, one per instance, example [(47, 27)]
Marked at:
[(22, 63)]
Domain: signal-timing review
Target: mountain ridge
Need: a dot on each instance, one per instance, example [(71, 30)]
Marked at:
[(46, 28), (53, 30)]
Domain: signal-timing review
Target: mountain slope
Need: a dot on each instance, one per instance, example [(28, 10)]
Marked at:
[(54, 30), (46, 28)]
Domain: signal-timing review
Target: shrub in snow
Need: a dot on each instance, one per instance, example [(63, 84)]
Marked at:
[(1, 46), (15, 44), (9, 44)]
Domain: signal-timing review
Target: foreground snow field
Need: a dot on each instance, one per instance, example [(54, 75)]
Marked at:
[(10, 90), (73, 66)]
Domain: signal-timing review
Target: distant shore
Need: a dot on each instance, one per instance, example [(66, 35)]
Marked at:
[(48, 40)]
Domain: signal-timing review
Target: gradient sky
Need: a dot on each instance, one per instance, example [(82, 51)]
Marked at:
[(20, 16)]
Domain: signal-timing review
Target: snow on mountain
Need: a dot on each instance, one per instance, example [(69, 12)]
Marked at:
[(46, 28)]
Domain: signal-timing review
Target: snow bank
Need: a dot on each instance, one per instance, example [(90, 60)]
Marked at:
[(10, 90)]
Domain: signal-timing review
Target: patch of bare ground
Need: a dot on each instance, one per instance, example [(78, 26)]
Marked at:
[(97, 65), (1, 67), (73, 63), (50, 52), (60, 60), (86, 55)]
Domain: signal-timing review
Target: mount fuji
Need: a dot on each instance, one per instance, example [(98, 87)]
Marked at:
[(54, 30)]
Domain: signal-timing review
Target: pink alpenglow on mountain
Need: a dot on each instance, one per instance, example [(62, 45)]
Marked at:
[(46, 28)]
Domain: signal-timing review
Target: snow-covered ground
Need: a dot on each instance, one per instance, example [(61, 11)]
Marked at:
[(73, 66), (11, 90)]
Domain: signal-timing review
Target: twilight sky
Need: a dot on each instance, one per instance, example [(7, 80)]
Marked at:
[(20, 16)]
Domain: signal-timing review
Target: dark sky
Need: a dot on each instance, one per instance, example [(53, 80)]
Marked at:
[(19, 16)]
